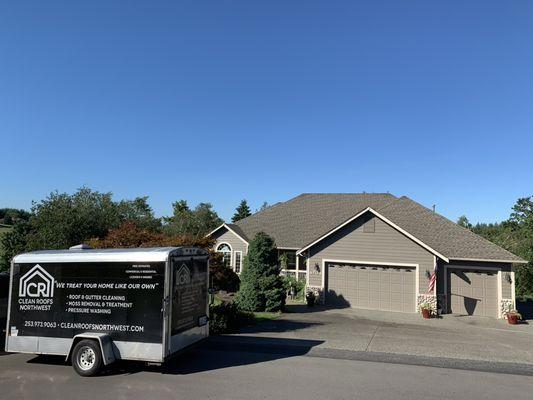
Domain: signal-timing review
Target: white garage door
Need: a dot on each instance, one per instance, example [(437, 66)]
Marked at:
[(472, 292), (370, 286)]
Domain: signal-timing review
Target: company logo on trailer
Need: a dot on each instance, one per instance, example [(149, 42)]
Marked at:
[(36, 283), (184, 275)]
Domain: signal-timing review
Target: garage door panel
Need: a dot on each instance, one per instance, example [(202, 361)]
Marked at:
[(473, 292), (396, 297), (372, 287), (396, 288), (374, 276)]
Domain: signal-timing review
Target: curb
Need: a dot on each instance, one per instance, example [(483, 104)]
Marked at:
[(308, 348)]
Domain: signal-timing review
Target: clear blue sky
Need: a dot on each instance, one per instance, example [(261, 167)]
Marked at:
[(223, 100)]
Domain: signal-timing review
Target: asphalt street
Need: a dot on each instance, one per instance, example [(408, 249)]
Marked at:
[(205, 373)]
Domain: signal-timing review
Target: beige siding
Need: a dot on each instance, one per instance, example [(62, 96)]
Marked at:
[(315, 272), (506, 285), (385, 245), (223, 235)]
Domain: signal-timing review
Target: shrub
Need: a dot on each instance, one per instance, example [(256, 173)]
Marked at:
[(222, 277), (299, 286), (275, 299), (227, 318), (261, 285)]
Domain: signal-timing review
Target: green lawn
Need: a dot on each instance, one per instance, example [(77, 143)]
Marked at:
[(265, 316)]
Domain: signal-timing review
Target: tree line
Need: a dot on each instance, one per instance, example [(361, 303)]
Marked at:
[(62, 220), (514, 234), (10, 216)]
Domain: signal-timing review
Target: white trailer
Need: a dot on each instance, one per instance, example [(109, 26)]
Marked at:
[(98, 306)]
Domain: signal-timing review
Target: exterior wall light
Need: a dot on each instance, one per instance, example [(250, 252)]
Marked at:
[(508, 277)]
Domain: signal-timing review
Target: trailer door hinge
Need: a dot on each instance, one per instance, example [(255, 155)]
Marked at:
[(166, 306)]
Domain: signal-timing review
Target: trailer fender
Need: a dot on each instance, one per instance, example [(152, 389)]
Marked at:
[(103, 339)]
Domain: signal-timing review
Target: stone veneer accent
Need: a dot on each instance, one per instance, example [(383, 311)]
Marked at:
[(430, 299), (506, 305)]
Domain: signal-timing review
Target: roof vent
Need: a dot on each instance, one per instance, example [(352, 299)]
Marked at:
[(80, 247)]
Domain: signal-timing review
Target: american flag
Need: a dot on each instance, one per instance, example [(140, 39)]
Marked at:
[(433, 278)]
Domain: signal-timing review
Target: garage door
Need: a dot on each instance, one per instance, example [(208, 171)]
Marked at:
[(370, 286), (472, 292)]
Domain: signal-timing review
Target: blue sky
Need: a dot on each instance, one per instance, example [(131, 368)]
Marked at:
[(223, 100)]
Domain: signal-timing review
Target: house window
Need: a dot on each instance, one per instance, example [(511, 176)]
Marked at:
[(225, 249), (287, 259), (238, 262)]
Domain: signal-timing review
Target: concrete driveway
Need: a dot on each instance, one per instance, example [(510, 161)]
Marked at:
[(457, 337)]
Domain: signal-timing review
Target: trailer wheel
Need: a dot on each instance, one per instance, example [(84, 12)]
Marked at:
[(87, 358)]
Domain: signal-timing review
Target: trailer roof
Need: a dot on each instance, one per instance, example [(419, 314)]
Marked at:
[(152, 254)]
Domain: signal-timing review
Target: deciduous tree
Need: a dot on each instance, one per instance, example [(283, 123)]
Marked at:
[(464, 222), (198, 222)]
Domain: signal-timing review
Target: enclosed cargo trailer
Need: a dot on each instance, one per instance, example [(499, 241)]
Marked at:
[(98, 306)]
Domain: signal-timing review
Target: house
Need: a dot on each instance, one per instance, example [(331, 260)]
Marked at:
[(378, 251)]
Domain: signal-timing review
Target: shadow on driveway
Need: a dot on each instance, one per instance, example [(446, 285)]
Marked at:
[(525, 308), (212, 354), (279, 326)]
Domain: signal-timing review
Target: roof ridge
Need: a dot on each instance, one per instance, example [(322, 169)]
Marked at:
[(346, 193), (391, 202), (310, 194), (279, 203), (449, 221)]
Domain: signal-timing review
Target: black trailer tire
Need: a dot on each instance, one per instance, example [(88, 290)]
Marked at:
[(87, 357)]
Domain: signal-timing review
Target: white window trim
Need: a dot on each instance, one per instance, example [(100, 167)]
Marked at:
[(235, 262), (230, 251), (385, 264)]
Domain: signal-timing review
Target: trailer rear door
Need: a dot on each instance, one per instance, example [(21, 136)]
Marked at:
[(189, 295)]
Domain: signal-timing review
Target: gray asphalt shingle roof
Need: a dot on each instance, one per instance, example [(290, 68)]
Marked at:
[(300, 221), (441, 234)]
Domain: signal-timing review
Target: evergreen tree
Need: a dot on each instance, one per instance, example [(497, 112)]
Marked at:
[(261, 285), (263, 207), (241, 212), (464, 222)]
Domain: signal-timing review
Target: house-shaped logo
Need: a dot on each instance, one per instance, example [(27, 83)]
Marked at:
[(183, 277), (36, 283)]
